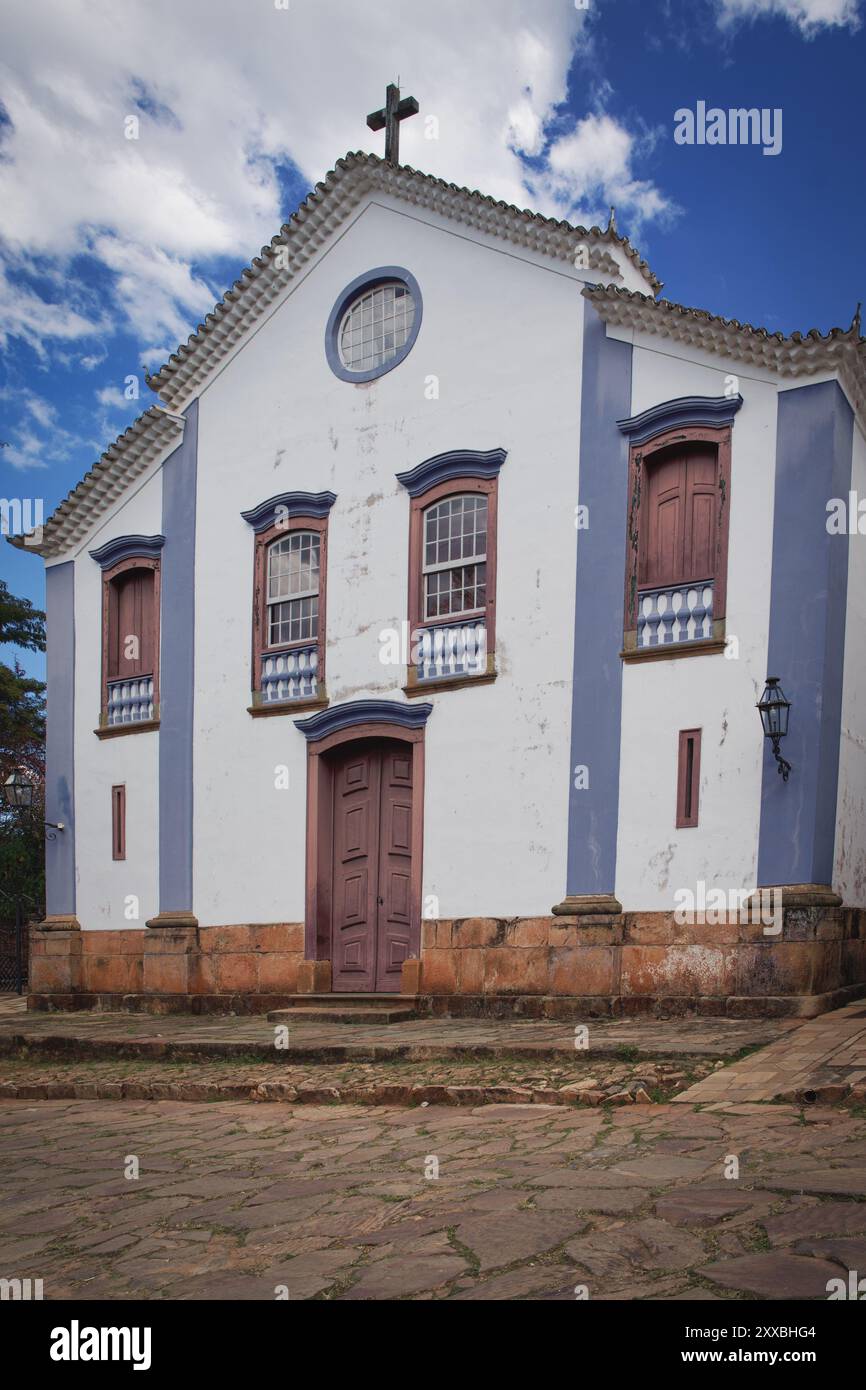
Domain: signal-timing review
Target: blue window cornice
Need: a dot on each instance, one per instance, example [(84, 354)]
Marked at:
[(316, 504), (681, 413), (127, 548), (368, 281), (337, 717), (457, 463)]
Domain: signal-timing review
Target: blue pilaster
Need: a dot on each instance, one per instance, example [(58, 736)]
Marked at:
[(177, 672), (60, 740), (807, 633), (597, 685)]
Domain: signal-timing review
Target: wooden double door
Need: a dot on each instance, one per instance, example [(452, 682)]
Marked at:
[(372, 909)]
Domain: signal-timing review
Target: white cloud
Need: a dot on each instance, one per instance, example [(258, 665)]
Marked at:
[(24, 314), (43, 411), (224, 93), (113, 397), (592, 168), (810, 16), (25, 452)]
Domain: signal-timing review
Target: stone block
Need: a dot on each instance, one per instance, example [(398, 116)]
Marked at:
[(529, 931), (220, 939), (280, 936), (477, 931), (678, 970), (774, 967), (471, 965), (278, 972), (314, 977), (410, 976), (517, 970), (583, 970), (439, 972)]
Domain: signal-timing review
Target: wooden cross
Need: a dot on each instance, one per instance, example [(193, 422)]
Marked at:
[(392, 113)]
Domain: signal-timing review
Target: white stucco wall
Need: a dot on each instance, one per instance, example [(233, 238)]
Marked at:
[(849, 872), (277, 419), (713, 693), (103, 884)]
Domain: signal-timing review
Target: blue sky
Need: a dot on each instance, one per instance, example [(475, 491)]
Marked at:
[(113, 249)]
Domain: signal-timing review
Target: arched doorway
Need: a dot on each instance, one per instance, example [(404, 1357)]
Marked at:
[(365, 794)]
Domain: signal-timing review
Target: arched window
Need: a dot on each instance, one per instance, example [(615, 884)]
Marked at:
[(130, 637), (293, 589), (452, 583), (289, 602), (676, 558), (455, 557)]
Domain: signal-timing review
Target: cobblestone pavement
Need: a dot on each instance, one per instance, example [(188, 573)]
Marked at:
[(425, 1037), (567, 1079), (824, 1061), (245, 1202)]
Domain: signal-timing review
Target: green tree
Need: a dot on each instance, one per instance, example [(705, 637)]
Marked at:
[(22, 749)]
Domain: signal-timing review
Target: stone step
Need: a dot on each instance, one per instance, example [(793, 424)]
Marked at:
[(351, 1001), (336, 1013)]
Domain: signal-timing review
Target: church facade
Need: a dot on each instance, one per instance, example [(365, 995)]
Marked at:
[(412, 644)]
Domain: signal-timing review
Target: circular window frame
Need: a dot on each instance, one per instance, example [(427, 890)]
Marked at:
[(383, 274)]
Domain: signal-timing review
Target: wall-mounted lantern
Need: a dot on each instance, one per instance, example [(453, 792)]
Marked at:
[(18, 792), (774, 710)]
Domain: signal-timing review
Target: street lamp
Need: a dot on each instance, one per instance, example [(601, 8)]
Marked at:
[(18, 793), (18, 790), (774, 709)]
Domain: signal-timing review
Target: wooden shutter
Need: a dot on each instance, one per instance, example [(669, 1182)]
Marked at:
[(679, 536), (131, 614)]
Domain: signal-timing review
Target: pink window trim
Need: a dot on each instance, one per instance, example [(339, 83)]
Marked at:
[(260, 645), (640, 457), (455, 487), (688, 778), (118, 822), (151, 635)]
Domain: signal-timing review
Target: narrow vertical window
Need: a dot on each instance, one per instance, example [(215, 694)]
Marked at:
[(118, 822), (688, 778)]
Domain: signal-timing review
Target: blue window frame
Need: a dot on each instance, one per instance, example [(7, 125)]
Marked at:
[(374, 323)]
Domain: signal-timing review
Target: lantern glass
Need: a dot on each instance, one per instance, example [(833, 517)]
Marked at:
[(18, 790), (774, 708)]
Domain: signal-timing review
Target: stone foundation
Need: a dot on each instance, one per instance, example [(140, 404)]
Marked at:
[(555, 967)]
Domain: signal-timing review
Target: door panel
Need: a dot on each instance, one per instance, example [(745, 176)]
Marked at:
[(355, 851), (395, 868), (372, 868)]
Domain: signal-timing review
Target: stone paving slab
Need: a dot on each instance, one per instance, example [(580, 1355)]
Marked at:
[(573, 1079), (94, 1034), (526, 1203), (825, 1060)]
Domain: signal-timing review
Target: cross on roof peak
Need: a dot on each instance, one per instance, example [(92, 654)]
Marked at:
[(389, 117)]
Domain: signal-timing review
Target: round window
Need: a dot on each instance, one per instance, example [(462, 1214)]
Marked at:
[(374, 324)]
